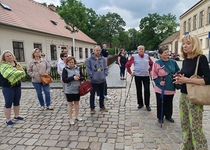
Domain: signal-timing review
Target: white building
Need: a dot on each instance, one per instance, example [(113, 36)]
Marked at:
[(26, 24)]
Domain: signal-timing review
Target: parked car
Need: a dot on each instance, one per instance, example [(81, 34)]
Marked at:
[(175, 56)]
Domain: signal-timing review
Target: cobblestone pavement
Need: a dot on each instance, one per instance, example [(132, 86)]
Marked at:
[(121, 128)]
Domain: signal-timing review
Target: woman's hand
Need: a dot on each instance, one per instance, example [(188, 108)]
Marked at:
[(76, 77), (162, 83)]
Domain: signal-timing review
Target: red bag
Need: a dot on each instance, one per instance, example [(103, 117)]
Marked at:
[(85, 87)]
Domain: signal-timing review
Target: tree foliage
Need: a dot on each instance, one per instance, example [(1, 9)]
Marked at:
[(155, 28), (109, 28)]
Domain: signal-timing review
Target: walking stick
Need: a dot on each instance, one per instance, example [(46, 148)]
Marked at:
[(128, 90), (151, 80), (162, 101)]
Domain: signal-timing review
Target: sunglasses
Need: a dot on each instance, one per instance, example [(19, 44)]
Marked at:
[(42, 55), (65, 56)]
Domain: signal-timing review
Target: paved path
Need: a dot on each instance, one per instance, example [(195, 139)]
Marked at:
[(121, 128), (112, 80)]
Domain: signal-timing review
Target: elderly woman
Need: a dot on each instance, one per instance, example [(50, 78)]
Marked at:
[(37, 67), (11, 74)]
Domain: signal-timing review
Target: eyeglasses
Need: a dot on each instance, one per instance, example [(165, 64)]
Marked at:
[(65, 56), (42, 55)]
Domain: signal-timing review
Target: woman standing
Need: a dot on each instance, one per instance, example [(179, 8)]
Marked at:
[(162, 73), (60, 66), (122, 62), (10, 78), (191, 115), (72, 76), (36, 67)]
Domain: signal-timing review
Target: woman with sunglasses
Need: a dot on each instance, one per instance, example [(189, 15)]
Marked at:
[(61, 64)]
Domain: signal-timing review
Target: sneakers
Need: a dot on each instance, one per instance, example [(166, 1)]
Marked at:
[(103, 109), (9, 123), (41, 108), (92, 111), (71, 121), (18, 118), (97, 97), (78, 119), (107, 97), (49, 108)]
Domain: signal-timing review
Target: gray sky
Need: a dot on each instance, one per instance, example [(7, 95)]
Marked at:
[(133, 10)]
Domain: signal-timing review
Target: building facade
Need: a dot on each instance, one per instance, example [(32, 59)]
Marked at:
[(37, 26), (196, 21)]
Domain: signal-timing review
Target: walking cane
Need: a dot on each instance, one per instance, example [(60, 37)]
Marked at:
[(151, 80), (128, 90), (162, 102)]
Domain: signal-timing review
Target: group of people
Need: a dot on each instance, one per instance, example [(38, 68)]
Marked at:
[(163, 72)]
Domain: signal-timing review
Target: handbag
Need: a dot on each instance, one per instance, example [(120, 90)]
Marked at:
[(198, 94), (45, 78), (85, 87)]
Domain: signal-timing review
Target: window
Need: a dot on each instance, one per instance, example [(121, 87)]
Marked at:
[(208, 15), (80, 53), (189, 25), (72, 51), (201, 18), (185, 28), (194, 22), (5, 6), (201, 41), (207, 42), (18, 51), (91, 51), (53, 52), (63, 48), (86, 53), (39, 46)]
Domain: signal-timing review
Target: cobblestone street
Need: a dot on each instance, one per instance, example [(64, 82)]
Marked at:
[(121, 128)]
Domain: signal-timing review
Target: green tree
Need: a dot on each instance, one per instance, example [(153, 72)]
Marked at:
[(155, 28), (73, 13)]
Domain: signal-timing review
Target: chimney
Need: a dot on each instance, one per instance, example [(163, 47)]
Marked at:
[(52, 7)]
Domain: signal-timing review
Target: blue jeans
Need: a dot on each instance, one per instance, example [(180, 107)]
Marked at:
[(122, 71), (11, 95), (100, 88), (38, 87)]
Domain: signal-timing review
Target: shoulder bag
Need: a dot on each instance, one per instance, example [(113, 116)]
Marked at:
[(198, 94), (85, 87), (45, 78)]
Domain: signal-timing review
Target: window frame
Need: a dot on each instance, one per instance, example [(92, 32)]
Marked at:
[(19, 48)]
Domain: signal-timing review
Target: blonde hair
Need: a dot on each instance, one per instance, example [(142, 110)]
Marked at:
[(196, 46), (35, 49), (2, 57)]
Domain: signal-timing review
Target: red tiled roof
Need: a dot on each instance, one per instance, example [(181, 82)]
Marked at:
[(31, 15), (171, 38)]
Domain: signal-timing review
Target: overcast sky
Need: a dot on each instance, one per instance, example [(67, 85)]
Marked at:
[(133, 10)]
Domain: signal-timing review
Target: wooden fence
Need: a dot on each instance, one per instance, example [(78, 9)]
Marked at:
[(56, 77)]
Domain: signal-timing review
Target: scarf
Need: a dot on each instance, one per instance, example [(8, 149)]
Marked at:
[(12, 74)]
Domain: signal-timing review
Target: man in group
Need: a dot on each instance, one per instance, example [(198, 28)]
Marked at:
[(97, 70), (142, 67), (104, 53)]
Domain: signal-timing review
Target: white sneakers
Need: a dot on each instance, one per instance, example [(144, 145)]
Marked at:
[(71, 121), (41, 108), (107, 97)]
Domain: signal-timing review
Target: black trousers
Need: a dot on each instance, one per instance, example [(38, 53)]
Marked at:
[(167, 106), (146, 83)]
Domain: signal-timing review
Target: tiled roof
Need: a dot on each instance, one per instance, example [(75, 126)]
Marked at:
[(31, 15), (171, 38)]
